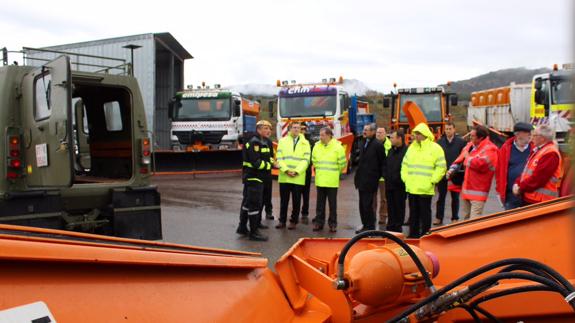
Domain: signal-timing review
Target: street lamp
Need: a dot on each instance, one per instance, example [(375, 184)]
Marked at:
[(131, 47)]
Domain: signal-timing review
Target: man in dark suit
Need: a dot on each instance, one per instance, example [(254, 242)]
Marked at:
[(369, 170)]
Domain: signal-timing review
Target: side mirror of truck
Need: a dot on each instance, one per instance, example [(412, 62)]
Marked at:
[(237, 108), (453, 99), (538, 84), (386, 102), (171, 108)]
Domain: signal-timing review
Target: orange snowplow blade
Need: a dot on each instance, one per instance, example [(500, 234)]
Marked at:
[(414, 114), (89, 278)]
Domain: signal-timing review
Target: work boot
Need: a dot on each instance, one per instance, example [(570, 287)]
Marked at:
[(437, 222), (280, 225), (291, 226), (317, 227), (332, 228), (256, 236), (269, 216), (242, 230), (304, 219)]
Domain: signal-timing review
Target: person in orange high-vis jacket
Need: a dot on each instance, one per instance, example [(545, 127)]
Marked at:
[(478, 159), (541, 178)]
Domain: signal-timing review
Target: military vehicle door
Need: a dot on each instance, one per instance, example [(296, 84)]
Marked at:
[(46, 115)]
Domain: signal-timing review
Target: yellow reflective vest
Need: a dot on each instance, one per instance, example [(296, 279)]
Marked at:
[(329, 162), (423, 165), (387, 147), (292, 159)]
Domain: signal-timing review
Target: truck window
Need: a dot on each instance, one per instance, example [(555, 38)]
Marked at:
[(113, 116), (42, 97)]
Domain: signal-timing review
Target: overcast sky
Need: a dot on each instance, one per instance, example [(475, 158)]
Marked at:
[(413, 43)]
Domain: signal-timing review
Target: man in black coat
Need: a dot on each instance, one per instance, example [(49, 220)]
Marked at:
[(394, 186), (452, 145), (369, 170)]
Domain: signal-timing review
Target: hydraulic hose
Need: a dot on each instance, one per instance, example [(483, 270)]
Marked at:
[(341, 283), (512, 291), (505, 262)]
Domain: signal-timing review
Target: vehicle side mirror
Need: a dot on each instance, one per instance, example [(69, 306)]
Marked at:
[(538, 84), (453, 99), (171, 108), (386, 102), (237, 108), (540, 96)]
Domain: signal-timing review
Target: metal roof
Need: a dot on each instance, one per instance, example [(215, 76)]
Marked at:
[(165, 38)]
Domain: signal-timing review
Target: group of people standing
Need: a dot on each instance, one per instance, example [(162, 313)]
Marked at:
[(527, 169)]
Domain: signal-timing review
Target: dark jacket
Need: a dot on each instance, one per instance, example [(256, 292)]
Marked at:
[(371, 165), (257, 159), (393, 168), (451, 149)]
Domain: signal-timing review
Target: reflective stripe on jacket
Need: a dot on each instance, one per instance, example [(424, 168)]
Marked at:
[(329, 161), (551, 189), (295, 160), (423, 165), (479, 166)]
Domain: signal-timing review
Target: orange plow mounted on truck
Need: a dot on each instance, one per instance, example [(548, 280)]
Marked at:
[(508, 266)]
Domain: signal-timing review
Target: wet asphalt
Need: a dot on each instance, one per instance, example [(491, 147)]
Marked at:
[(203, 210)]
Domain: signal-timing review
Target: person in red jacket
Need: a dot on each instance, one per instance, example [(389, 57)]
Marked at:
[(541, 178), (479, 162), (511, 161)]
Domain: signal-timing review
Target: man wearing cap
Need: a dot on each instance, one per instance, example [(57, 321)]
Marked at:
[(541, 177), (512, 159), (257, 162)]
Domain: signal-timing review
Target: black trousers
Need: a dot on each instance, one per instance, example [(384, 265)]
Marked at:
[(419, 215), (395, 209), (366, 211), (305, 193), (267, 195), (440, 205), (331, 194), (251, 205), (287, 190)]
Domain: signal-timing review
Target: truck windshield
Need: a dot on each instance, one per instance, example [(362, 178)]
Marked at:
[(308, 106), (203, 110), (562, 91), (430, 105)]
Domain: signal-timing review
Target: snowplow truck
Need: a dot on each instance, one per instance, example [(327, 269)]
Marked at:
[(76, 152), (208, 126), (434, 103)]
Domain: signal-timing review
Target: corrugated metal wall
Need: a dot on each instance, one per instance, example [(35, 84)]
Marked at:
[(158, 78)]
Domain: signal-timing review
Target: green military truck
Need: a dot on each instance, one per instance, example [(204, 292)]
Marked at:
[(76, 153)]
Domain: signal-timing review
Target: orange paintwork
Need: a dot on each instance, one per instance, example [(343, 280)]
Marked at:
[(250, 107), (90, 278), (491, 97)]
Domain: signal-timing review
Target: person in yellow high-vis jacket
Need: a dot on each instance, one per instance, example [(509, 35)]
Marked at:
[(423, 166), (328, 158), (292, 156)]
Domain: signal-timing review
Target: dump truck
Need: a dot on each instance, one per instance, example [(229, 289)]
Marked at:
[(552, 100), (434, 102), (470, 271), (324, 104), (500, 108), (76, 151)]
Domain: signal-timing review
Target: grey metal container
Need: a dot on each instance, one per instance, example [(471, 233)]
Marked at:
[(158, 66)]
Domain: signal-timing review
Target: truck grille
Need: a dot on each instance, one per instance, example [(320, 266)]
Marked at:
[(206, 137)]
